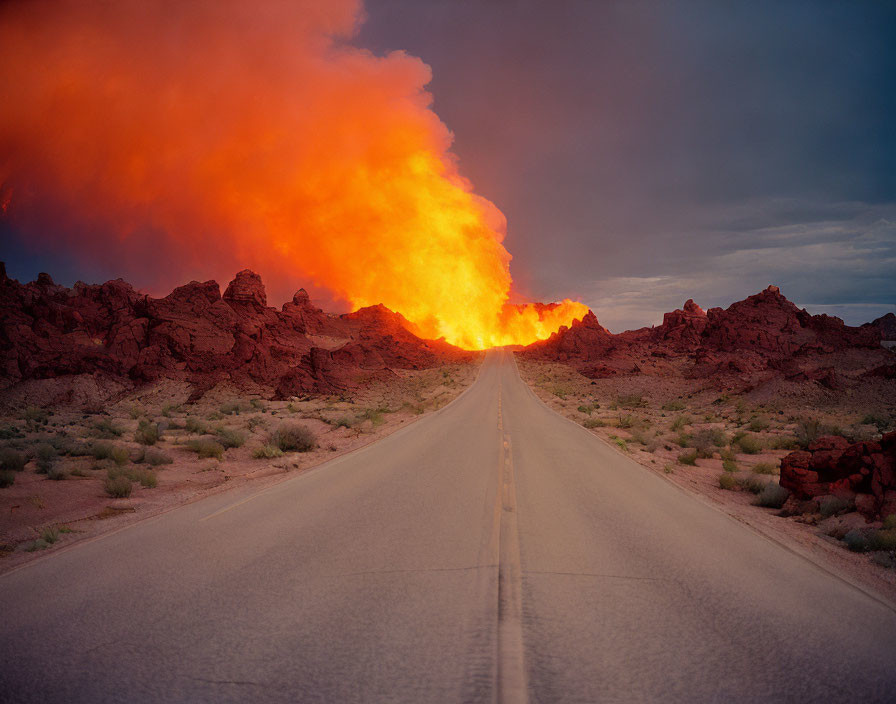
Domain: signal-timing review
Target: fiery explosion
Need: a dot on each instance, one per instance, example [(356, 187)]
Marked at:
[(177, 138)]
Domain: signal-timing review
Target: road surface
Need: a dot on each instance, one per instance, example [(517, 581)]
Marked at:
[(493, 551)]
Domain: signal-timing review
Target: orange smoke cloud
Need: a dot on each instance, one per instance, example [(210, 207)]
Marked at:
[(204, 137)]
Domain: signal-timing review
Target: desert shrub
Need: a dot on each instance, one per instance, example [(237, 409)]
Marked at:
[(831, 505), (706, 440), (621, 444), (169, 408), (808, 430), (856, 541), (147, 433), (12, 460), (194, 425), (230, 438), (50, 534), (106, 428), (673, 406), (727, 481), (256, 421), (772, 496), (7, 478), (560, 392), (748, 444), (758, 424), (234, 408), (294, 437), (585, 409), (146, 477), (206, 447), (689, 457), (120, 455), (45, 454), (348, 421), (631, 401), (257, 404), (374, 415), (118, 486), (591, 423), (156, 457), (626, 421), (890, 522), (882, 540), (765, 468), (267, 452), (681, 421), (784, 442), (683, 439), (101, 450), (35, 416), (56, 473), (751, 483), (729, 465), (881, 422)]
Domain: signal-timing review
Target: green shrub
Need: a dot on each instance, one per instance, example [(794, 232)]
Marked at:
[(56, 473), (783, 442), (193, 425), (7, 478), (772, 495), (206, 447), (147, 433), (673, 406), (748, 444), (832, 505), (585, 409), (12, 460), (234, 408), (169, 408), (729, 465), (631, 401), (156, 457), (118, 486), (727, 481), (146, 477), (765, 468), (882, 540), (706, 440), (374, 415), (621, 444), (683, 439), (49, 535), (591, 423), (626, 421), (120, 455), (267, 452), (45, 455), (106, 428), (101, 450), (856, 541), (294, 437), (689, 457), (681, 421), (348, 421), (758, 424), (751, 483), (230, 438), (881, 422), (808, 430)]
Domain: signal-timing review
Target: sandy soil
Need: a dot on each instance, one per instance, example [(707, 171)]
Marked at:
[(665, 424), (40, 514)]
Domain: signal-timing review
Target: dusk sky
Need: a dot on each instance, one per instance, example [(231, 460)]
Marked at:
[(646, 153)]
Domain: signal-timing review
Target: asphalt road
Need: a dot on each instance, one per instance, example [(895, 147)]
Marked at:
[(491, 551)]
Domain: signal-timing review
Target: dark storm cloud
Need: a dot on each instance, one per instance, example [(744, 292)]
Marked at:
[(648, 152)]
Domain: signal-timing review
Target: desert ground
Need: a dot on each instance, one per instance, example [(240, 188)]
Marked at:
[(71, 474)]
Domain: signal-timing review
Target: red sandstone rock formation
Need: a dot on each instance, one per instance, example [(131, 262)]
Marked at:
[(196, 334), (863, 471)]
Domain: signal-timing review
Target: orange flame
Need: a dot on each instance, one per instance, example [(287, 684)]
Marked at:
[(203, 137)]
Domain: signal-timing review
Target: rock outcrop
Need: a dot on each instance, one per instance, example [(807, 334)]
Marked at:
[(862, 471), (886, 325), (763, 335), (197, 335)]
